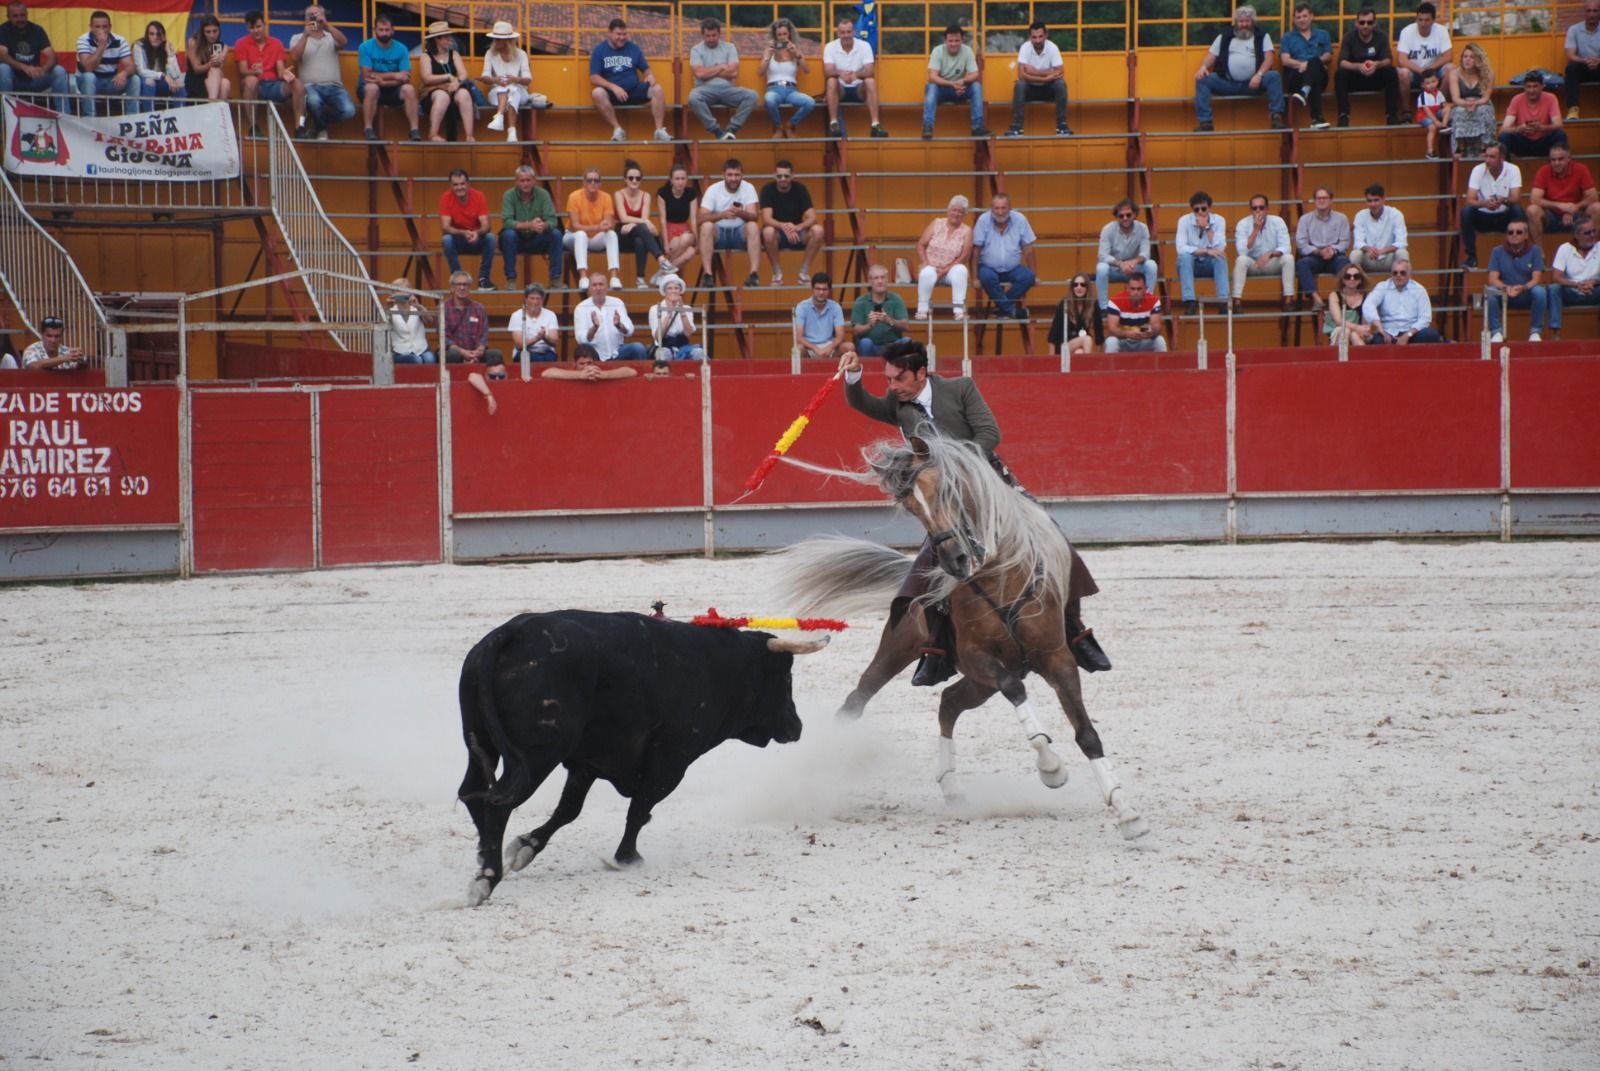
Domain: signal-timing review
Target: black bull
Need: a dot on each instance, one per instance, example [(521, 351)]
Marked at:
[(618, 697)]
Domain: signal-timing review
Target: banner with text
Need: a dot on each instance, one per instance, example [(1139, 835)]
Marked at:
[(192, 144)]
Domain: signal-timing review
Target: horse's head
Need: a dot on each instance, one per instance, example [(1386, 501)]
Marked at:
[(922, 495)]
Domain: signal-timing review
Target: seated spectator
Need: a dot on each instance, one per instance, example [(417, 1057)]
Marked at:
[(408, 330), (782, 63), (264, 72), (878, 316), (1262, 241), (1003, 242), (1470, 87), (789, 221), (592, 221), (1423, 47), (1378, 235), (1398, 311), (534, 328), (1563, 192), (852, 74), (1201, 243), (587, 367), (1583, 54), (1345, 302), (602, 322), (672, 324), (1322, 240), (464, 219), (1532, 126), (207, 54), (386, 79), (316, 54), (1040, 76), (728, 213), (506, 78), (446, 84), (466, 325), (635, 230), (27, 61), (953, 78), (105, 65), (1494, 195), (1305, 54), (620, 74), (715, 64), (1239, 63), (1133, 320), (819, 322), (1366, 62), (943, 252), (528, 224), (157, 67), (678, 201), (49, 354), (1124, 249), (1576, 271), (1433, 113), (1516, 276), (1078, 326)]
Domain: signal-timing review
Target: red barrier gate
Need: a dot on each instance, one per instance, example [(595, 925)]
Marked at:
[(253, 481)]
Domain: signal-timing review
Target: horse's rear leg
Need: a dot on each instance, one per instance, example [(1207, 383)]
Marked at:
[(1064, 679), (960, 697), (1052, 771), (897, 649)]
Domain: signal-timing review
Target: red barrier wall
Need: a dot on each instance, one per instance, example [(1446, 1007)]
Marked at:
[(252, 481), (748, 415), (380, 475), (1555, 428)]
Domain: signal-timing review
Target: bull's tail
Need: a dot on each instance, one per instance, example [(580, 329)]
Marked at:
[(839, 575), (480, 714)]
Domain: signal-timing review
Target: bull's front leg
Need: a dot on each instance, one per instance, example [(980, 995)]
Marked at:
[(657, 784)]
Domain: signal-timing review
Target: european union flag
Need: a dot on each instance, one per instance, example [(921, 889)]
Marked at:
[(867, 23)]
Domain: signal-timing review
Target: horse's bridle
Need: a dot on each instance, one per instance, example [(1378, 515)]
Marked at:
[(979, 551)]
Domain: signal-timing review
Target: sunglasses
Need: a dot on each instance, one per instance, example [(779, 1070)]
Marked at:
[(1124, 215), (633, 178), (1400, 273), (1201, 210), (1366, 22), (1352, 277), (1080, 285), (1258, 208), (591, 182)]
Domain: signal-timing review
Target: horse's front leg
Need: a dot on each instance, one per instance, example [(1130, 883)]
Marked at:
[(962, 696), (1052, 771), (1062, 674), (897, 649)]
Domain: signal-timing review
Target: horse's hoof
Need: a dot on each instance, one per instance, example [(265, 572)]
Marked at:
[(522, 852), (1133, 828), (849, 712), (1054, 778), (613, 862), (479, 888)]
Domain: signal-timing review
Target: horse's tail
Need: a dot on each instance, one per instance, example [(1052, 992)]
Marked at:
[(838, 574)]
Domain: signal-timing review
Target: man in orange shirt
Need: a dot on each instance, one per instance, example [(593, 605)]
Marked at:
[(1533, 120), (592, 219), (464, 218), (1563, 193)]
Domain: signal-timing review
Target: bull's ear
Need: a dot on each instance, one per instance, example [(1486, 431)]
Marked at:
[(919, 447), (782, 646)]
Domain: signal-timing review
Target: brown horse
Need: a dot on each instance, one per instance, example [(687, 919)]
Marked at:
[(1005, 570)]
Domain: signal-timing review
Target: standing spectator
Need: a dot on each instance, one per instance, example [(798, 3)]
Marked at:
[(207, 55), (953, 78), (264, 71), (1322, 239), (1583, 54), (1366, 62), (386, 78), (528, 224), (445, 83), (1040, 76), (1576, 269), (156, 64), (942, 255), (715, 64), (878, 316), (678, 201), (1078, 326), (1563, 192), (852, 75), (1307, 50), (1003, 241), (602, 322), (1245, 57), (1433, 112), (1345, 302), (408, 330), (1201, 243), (1398, 311), (618, 71), (819, 322), (506, 78), (1133, 321), (534, 328), (466, 325), (1262, 240), (1124, 249), (672, 323), (48, 354), (464, 219), (1471, 89), (781, 65), (1494, 196), (728, 213), (28, 63), (789, 221), (1378, 235), (635, 230), (105, 65), (316, 51), (592, 220), (1422, 46), (1516, 270), (1532, 125)]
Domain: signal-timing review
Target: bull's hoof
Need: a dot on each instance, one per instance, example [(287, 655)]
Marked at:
[(619, 862), (479, 888), (522, 851), (1133, 828)]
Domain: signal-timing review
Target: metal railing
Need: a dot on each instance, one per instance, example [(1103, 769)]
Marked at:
[(42, 279)]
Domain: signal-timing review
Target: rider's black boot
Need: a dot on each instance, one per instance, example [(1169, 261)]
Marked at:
[(937, 664), (1085, 648)]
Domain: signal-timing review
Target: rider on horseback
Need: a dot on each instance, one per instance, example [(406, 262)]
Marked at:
[(956, 410)]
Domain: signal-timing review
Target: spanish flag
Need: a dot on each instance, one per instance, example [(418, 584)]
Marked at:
[(66, 21)]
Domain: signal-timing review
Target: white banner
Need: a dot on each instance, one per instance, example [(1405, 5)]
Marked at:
[(179, 144)]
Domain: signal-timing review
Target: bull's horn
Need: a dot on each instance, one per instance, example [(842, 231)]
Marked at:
[(783, 646)]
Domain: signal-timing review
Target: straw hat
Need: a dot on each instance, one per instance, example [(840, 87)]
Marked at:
[(438, 29), (503, 31)]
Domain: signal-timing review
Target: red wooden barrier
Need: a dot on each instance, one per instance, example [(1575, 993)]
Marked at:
[(252, 481), (1555, 435), (749, 413), (380, 475)]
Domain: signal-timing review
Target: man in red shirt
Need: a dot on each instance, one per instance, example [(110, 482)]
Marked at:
[(1533, 120), (464, 218), (264, 70), (1563, 193)]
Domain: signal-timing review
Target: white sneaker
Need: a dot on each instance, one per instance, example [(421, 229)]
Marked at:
[(922, 313), (728, 135), (1497, 337), (616, 282), (498, 122), (662, 134), (619, 134), (1534, 337), (511, 135), (959, 312)]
